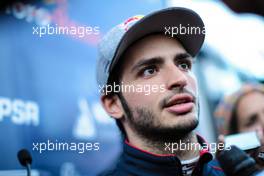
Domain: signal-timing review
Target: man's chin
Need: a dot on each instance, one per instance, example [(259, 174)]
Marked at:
[(169, 131), (176, 131), (183, 121)]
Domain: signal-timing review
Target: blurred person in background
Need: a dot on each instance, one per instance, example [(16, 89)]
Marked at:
[(243, 111)]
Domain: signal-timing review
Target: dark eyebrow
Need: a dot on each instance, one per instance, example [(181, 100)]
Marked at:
[(158, 60), (182, 56), (145, 62)]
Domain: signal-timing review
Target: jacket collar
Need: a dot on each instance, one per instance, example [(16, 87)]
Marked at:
[(156, 164)]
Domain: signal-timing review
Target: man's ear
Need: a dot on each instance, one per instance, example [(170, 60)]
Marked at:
[(112, 106)]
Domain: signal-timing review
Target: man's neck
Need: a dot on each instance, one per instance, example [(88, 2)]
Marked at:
[(169, 147)]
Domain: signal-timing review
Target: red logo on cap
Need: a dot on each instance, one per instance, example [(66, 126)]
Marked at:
[(129, 22)]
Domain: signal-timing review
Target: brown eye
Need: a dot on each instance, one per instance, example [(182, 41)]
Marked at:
[(185, 65), (149, 71)]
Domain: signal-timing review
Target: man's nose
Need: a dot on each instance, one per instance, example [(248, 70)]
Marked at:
[(175, 78)]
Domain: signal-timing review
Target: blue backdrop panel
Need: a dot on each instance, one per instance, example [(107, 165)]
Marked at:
[(48, 91)]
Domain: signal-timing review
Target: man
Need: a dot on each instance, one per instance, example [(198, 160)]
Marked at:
[(155, 51)]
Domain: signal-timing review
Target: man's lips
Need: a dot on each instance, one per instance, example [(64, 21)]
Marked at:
[(180, 104)]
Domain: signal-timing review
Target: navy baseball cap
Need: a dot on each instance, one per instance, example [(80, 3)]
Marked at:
[(119, 38)]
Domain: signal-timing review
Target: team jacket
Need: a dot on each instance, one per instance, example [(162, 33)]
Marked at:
[(136, 162)]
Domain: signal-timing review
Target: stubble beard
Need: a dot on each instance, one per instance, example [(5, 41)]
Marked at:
[(142, 121)]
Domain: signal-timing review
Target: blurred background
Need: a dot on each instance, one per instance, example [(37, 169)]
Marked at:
[(48, 89)]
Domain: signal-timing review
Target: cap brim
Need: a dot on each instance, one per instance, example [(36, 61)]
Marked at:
[(156, 23)]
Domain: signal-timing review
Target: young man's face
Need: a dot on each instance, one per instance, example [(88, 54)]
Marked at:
[(159, 61)]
